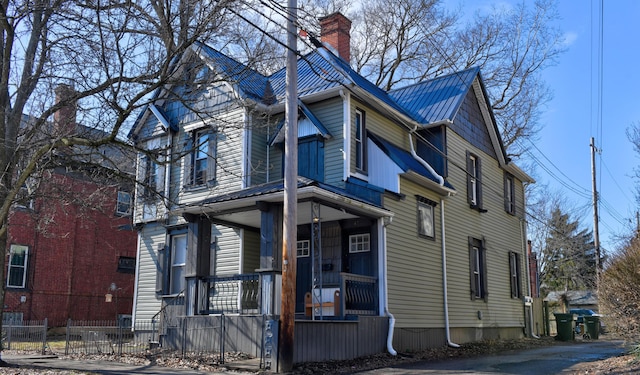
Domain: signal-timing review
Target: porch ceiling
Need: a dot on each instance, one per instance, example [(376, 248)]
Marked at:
[(245, 211)]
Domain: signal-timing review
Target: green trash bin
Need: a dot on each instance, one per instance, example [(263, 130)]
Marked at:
[(592, 326), (564, 324)]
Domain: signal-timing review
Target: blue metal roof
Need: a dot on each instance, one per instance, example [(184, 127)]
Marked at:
[(437, 99), (404, 159), (321, 129), (252, 84), (315, 74), (321, 70), (278, 186)]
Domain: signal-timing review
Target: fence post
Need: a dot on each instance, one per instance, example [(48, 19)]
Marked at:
[(44, 336), (184, 336), (223, 335), (9, 332), (66, 346), (120, 320)]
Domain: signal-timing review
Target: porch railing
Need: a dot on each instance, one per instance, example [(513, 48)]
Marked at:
[(237, 294), (359, 294), (241, 294)]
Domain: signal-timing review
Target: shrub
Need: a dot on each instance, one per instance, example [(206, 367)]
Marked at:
[(619, 292)]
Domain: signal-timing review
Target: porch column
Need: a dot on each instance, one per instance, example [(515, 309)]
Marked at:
[(270, 256), (198, 262)]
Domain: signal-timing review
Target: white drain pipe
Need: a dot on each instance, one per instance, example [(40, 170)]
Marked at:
[(444, 279)]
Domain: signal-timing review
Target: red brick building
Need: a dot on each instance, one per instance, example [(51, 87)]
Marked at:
[(70, 247)]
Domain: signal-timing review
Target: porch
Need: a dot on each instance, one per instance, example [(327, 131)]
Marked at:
[(246, 294)]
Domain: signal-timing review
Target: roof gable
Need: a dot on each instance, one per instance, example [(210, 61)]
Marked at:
[(436, 100)]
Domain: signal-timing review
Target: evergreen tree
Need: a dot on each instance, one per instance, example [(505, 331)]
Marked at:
[(568, 258)]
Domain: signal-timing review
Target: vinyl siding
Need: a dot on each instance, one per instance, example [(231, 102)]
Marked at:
[(501, 232), (147, 303), (227, 255), (251, 251), (414, 262), (229, 161), (260, 165), (329, 112), (378, 124)]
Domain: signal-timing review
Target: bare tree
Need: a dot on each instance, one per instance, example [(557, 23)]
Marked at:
[(417, 39), (113, 54)]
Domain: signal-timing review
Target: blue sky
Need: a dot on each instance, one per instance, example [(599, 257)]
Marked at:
[(572, 117)]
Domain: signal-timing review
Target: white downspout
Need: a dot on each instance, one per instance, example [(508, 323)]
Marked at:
[(167, 172), (444, 279), (392, 319), (422, 161), (444, 247), (526, 256)]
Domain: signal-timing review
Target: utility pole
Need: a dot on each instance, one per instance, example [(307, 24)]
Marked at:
[(596, 233), (290, 215)]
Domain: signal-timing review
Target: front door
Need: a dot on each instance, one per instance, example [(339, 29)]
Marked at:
[(303, 273), (357, 252)]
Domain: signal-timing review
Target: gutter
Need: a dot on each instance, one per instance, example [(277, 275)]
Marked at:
[(528, 301), (447, 328), (392, 320), (422, 161)]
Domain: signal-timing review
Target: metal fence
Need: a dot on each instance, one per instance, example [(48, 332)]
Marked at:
[(24, 335), (189, 336), (110, 337)]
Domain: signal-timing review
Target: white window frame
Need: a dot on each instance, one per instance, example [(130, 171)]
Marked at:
[(303, 249), (150, 177), (477, 273), (18, 267), (178, 262), (359, 243), (360, 145), (514, 274), (120, 201), (509, 194), (473, 176), (200, 157), (426, 219)]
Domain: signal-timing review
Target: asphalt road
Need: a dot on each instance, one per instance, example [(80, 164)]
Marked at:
[(555, 359)]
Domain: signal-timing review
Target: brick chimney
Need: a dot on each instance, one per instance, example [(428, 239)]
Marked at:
[(335, 31), (64, 120)]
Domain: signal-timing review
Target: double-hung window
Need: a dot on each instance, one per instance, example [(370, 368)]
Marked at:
[(474, 181), (200, 165), (509, 194), (477, 269), (514, 274), (360, 142), (178, 262), (426, 226), (17, 270), (123, 205), (150, 177)]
